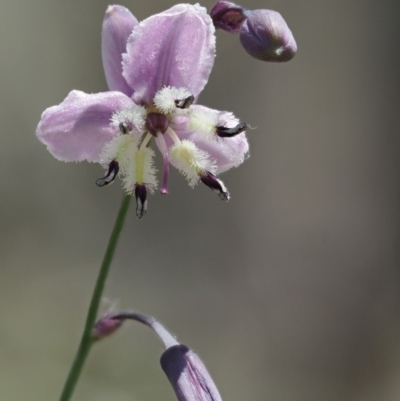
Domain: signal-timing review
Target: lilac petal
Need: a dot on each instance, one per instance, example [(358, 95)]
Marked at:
[(118, 24), (227, 152), (78, 128), (174, 48)]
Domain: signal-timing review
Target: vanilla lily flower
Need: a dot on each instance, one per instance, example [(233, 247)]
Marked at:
[(155, 71)]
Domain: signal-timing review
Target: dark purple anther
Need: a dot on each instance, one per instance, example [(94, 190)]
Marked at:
[(188, 375), (225, 132), (228, 16), (125, 128), (184, 103), (266, 36), (112, 172), (141, 200), (215, 184), (156, 123)]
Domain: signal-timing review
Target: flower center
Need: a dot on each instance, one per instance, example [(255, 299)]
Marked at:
[(128, 153), (156, 123)]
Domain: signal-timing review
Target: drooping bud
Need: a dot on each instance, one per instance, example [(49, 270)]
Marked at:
[(141, 200), (215, 184), (112, 173), (106, 326), (188, 375), (266, 36), (184, 369), (156, 123), (227, 16)]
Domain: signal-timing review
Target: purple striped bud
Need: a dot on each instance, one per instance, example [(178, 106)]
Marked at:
[(184, 369), (188, 375), (266, 36), (227, 16)]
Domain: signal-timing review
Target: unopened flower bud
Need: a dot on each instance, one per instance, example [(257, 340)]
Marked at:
[(266, 36), (227, 16), (106, 326), (188, 375), (184, 369)]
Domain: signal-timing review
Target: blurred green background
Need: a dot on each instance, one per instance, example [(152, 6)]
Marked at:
[(290, 291)]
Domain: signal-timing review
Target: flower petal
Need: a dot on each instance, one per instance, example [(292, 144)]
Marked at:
[(175, 48), (118, 24), (227, 152), (78, 128)]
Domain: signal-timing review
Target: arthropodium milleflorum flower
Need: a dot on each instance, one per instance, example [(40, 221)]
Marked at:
[(184, 369), (155, 71)]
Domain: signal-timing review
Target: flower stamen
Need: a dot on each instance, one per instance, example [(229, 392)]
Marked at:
[(184, 103), (110, 176), (215, 184), (124, 128), (172, 134), (128, 120), (191, 161), (145, 141), (224, 132), (204, 122), (160, 141), (140, 171), (141, 200), (168, 99)]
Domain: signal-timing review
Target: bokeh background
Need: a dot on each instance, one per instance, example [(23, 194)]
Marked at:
[(290, 291)]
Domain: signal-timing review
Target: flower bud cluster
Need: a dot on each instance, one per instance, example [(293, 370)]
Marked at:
[(264, 34)]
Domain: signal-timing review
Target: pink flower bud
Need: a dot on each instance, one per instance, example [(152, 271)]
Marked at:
[(227, 16), (266, 36), (184, 369)]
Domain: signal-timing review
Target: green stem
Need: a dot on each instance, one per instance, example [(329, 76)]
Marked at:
[(87, 340)]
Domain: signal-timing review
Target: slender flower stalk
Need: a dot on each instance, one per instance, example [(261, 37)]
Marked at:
[(87, 339)]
